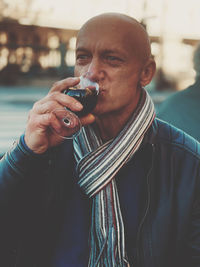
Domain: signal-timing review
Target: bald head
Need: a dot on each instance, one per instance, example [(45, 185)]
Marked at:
[(115, 50), (126, 27)]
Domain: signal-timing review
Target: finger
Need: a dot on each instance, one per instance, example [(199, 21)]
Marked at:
[(68, 102), (38, 121), (88, 119), (56, 101), (55, 123), (46, 107), (64, 124), (64, 84), (40, 124), (58, 119)]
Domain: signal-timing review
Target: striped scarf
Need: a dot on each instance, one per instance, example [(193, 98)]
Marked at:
[(97, 164)]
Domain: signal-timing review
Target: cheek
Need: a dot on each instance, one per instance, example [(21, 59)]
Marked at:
[(128, 77), (125, 86), (76, 70), (79, 70), (125, 91)]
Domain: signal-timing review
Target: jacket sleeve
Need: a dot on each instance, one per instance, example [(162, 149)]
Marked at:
[(16, 166)]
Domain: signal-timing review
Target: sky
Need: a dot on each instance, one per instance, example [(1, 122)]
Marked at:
[(174, 17)]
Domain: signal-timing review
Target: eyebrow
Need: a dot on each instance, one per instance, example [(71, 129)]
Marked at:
[(82, 49), (104, 51)]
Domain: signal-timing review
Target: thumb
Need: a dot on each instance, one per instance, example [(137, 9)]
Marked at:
[(88, 119)]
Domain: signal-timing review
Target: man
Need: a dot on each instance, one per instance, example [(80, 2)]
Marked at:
[(125, 192), (182, 108)]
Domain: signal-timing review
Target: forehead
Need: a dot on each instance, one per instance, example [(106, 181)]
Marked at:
[(115, 33), (104, 36)]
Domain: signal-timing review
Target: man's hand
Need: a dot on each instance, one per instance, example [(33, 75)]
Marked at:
[(39, 135)]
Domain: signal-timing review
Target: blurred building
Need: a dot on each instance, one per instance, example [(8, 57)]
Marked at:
[(32, 51)]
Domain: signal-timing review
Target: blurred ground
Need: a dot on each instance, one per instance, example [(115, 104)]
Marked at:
[(15, 103)]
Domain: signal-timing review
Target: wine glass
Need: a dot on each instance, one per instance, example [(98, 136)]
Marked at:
[(86, 92)]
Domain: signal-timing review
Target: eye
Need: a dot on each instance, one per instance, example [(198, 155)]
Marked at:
[(82, 58), (113, 58), (113, 61)]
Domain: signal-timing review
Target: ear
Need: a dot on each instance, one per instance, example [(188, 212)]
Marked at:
[(147, 72)]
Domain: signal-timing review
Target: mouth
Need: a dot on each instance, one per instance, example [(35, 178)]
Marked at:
[(101, 90)]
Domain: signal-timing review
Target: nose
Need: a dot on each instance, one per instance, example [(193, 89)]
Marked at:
[(95, 70)]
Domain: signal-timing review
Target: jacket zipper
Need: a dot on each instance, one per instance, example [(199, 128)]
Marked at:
[(138, 253)]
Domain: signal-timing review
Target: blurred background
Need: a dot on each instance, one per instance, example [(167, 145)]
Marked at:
[(37, 41)]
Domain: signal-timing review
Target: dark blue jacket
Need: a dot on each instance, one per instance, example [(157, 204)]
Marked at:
[(34, 193)]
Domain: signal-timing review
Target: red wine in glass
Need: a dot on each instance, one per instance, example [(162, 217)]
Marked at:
[(87, 97), (86, 92)]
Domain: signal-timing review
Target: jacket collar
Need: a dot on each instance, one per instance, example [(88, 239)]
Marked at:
[(150, 136)]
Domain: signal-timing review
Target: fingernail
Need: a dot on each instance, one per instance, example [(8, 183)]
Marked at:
[(78, 105)]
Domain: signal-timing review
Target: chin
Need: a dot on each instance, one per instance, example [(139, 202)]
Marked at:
[(100, 112)]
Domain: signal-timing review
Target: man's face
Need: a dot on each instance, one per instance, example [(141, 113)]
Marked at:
[(111, 57)]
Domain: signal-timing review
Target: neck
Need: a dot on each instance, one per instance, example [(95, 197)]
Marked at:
[(110, 124), (108, 128)]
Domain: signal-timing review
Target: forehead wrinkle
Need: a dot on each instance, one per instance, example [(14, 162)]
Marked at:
[(101, 49)]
